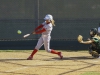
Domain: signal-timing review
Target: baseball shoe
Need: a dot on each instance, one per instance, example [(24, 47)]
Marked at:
[(60, 55), (30, 58)]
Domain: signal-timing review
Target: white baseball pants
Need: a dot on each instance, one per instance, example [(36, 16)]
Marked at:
[(44, 39)]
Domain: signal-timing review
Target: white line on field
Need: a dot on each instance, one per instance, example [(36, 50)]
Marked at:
[(95, 61), (16, 69), (13, 70)]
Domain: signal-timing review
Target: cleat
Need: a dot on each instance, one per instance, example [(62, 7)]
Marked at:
[(30, 58), (60, 55)]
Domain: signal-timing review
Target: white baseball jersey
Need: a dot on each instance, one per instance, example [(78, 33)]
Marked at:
[(48, 28), (45, 38)]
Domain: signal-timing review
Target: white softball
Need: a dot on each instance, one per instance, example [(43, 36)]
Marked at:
[(19, 32)]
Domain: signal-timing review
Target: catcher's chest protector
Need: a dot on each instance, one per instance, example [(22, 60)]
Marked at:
[(96, 42)]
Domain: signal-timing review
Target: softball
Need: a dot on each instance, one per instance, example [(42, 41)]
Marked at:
[(19, 32)]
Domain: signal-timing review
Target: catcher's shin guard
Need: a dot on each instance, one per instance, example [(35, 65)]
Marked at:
[(95, 54), (90, 49)]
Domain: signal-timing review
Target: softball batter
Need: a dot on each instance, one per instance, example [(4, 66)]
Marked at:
[(45, 29)]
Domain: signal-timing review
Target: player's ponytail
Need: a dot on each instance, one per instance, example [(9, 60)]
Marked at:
[(53, 22)]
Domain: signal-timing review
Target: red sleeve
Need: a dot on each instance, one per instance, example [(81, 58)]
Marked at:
[(40, 31), (40, 26)]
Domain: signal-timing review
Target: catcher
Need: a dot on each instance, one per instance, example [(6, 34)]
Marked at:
[(94, 40)]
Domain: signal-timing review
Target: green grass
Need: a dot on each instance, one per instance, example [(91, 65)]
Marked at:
[(20, 50), (83, 51), (91, 73), (14, 50), (42, 50)]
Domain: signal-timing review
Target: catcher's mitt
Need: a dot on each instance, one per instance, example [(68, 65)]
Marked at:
[(80, 38)]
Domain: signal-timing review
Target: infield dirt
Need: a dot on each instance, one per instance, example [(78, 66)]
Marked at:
[(43, 63)]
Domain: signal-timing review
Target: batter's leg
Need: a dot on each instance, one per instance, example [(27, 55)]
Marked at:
[(47, 47), (39, 44)]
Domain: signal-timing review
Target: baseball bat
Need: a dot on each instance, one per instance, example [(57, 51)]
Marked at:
[(26, 35)]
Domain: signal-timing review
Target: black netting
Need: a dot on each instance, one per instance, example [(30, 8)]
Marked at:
[(72, 17)]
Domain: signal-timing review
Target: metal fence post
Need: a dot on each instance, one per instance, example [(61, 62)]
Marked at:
[(36, 15)]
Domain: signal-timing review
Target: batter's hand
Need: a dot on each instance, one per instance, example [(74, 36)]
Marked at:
[(34, 32)]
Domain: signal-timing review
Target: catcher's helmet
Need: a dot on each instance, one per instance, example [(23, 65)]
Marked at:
[(93, 32)]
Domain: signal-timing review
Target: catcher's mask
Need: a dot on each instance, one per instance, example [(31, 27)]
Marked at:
[(93, 32)]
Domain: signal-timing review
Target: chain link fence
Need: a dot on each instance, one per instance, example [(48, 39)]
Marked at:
[(72, 17)]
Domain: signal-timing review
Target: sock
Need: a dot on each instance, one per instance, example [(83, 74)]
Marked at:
[(54, 52), (34, 51)]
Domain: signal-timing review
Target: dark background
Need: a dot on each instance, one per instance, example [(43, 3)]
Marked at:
[(72, 17)]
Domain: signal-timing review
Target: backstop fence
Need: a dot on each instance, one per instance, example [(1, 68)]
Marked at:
[(72, 17)]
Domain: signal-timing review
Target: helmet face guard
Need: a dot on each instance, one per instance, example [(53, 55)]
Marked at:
[(93, 32)]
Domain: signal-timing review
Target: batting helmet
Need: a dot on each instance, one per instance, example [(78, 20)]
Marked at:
[(48, 17)]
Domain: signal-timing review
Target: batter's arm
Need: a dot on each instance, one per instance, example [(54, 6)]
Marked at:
[(40, 26), (40, 31)]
